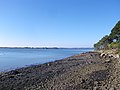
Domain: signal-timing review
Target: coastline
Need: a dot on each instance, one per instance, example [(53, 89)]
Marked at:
[(14, 58), (86, 71)]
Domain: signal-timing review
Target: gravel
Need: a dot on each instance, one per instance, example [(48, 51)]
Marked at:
[(86, 71)]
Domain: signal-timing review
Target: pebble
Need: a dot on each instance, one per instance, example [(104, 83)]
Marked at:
[(95, 88), (107, 61), (112, 88)]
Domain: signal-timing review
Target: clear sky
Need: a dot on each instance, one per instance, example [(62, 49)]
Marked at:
[(56, 23)]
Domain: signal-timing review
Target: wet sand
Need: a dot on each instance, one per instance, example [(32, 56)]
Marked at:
[(86, 71)]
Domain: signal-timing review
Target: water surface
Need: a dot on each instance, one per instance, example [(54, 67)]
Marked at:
[(12, 58)]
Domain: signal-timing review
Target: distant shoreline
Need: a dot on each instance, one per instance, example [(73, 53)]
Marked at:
[(41, 48), (22, 57)]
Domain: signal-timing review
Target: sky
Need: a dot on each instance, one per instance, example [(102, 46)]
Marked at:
[(56, 23)]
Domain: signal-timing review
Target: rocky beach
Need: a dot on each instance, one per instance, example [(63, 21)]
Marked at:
[(86, 71), (59, 45)]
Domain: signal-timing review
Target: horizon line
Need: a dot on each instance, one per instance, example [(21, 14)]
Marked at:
[(39, 47)]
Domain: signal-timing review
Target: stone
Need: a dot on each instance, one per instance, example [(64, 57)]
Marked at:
[(95, 88), (107, 61), (112, 88)]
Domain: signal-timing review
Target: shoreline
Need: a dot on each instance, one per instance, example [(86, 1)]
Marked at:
[(13, 58), (86, 71)]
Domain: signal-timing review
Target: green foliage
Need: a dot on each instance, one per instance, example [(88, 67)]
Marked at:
[(111, 41), (115, 31), (113, 45)]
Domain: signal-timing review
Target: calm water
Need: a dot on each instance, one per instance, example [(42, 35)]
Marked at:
[(16, 58)]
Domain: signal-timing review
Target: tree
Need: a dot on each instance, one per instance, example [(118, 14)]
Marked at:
[(110, 41)]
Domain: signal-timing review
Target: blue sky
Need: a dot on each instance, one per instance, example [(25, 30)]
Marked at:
[(56, 23)]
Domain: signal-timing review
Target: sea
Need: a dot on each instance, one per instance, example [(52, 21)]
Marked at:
[(14, 58)]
